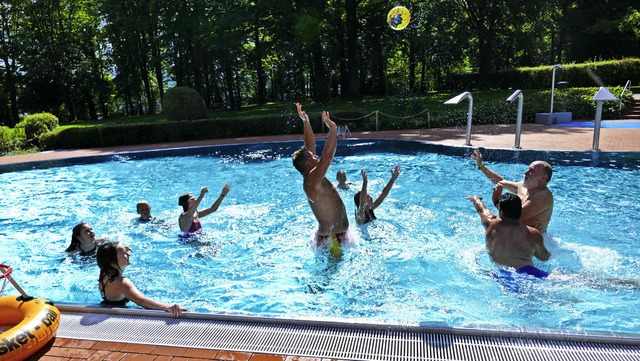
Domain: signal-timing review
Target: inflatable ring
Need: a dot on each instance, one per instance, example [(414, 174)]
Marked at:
[(36, 321)]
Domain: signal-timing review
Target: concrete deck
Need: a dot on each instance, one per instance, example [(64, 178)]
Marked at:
[(533, 137)]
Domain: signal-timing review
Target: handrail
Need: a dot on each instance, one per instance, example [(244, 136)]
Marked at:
[(627, 85)]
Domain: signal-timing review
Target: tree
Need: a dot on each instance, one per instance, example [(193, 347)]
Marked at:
[(10, 14)]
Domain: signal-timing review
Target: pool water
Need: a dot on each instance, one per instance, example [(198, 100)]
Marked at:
[(422, 262)]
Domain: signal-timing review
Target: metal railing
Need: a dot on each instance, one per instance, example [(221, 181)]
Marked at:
[(626, 86)]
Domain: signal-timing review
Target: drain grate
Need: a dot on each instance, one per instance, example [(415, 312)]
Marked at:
[(333, 340)]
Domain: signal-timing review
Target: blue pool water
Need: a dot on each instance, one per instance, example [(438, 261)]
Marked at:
[(422, 262)]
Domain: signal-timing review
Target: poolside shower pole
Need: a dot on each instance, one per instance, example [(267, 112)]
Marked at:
[(553, 85), (469, 113), (602, 95), (517, 94), (458, 99)]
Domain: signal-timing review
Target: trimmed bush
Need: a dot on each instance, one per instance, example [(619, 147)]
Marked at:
[(11, 140), (494, 111), (150, 133), (35, 125), (608, 73), (183, 103)]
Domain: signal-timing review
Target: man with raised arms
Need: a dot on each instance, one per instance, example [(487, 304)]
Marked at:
[(322, 195), (537, 199), (509, 242)]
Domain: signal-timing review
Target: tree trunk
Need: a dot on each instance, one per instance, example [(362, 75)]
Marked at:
[(261, 86), (91, 105), (144, 75), (353, 86), (321, 83), (229, 83), (412, 66)]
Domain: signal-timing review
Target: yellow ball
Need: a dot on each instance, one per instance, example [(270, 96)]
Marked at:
[(398, 18)]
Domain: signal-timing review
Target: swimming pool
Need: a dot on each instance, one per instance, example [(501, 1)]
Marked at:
[(422, 262)]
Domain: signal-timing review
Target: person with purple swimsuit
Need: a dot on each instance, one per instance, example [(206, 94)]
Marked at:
[(189, 220)]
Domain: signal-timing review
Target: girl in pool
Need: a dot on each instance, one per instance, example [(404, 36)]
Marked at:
[(117, 290), (365, 204), (189, 220), (83, 240)]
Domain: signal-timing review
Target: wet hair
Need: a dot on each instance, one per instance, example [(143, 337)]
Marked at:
[(141, 204), (341, 173), (300, 160), (106, 256), (77, 231), (184, 201), (368, 216), (511, 206)]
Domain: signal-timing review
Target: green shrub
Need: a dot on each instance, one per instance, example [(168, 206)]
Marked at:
[(35, 125), (183, 103), (11, 140), (589, 74)]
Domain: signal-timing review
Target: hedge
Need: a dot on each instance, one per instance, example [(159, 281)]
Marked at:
[(603, 73), (576, 100)]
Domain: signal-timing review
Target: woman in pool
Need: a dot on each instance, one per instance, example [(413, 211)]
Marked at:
[(117, 290), (83, 240), (189, 220), (365, 204)]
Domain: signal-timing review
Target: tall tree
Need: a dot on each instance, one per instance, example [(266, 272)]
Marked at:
[(10, 14), (56, 65)]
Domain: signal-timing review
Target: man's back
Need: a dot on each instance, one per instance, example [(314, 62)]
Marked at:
[(508, 241), (513, 244)]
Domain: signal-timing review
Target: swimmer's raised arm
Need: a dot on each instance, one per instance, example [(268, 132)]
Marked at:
[(214, 207), (309, 137), (497, 192), (394, 175), (486, 216), (363, 191), (493, 176), (194, 206), (328, 152)]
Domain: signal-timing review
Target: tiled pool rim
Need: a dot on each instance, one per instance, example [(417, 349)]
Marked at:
[(628, 160)]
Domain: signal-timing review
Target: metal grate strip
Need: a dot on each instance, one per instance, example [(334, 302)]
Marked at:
[(330, 340)]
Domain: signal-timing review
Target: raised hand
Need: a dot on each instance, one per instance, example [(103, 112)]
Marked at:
[(395, 172), (301, 113), (328, 121), (477, 156)]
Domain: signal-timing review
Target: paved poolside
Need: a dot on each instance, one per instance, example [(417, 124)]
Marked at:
[(534, 137)]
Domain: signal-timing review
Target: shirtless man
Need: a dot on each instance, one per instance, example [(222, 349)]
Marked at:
[(323, 197), (537, 199), (509, 242)]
